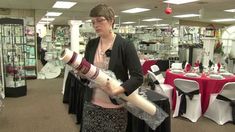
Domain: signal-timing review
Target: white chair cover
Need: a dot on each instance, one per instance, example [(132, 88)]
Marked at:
[(219, 110), (154, 68), (193, 106), (164, 89)]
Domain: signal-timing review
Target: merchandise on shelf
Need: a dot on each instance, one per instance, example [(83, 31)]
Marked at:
[(30, 49)]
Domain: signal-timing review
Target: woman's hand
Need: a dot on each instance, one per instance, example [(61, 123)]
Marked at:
[(113, 91)]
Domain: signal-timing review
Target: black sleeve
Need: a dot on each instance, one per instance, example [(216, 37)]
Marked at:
[(134, 67)]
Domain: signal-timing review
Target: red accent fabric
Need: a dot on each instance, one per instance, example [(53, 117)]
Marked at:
[(188, 68), (206, 86), (218, 65), (147, 64), (197, 63)]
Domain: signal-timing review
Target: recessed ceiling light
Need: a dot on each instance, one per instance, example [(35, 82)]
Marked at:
[(230, 10), (152, 19), (224, 20), (178, 2), (128, 22), (64, 4), (53, 13), (48, 19), (135, 10), (186, 15)]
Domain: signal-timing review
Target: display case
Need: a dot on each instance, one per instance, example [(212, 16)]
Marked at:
[(13, 56), (2, 89), (30, 49)]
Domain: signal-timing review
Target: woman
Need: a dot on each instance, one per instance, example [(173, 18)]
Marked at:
[(109, 52)]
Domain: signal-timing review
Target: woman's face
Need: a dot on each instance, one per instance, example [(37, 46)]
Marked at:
[(101, 25)]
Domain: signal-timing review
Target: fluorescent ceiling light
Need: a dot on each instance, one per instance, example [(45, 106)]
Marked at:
[(53, 13), (152, 19), (178, 2), (48, 19), (186, 15), (64, 4), (161, 25), (230, 10), (136, 10), (128, 22), (141, 26), (88, 20), (224, 20), (43, 22)]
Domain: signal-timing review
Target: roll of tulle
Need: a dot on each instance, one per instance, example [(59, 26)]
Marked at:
[(100, 78)]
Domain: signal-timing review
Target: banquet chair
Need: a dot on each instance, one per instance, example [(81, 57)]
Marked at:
[(221, 107), (160, 87), (154, 68), (188, 99)]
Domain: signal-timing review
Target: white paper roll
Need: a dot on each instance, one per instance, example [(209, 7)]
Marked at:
[(100, 78)]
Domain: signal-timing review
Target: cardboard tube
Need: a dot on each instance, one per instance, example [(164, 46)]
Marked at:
[(93, 73)]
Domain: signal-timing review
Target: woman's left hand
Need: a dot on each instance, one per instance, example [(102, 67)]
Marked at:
[(113, 91)]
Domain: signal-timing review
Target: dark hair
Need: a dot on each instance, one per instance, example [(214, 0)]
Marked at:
[(103, 10)]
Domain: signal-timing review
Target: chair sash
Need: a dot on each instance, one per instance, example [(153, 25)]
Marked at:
[(232, 104), (183, 104), (157, 72), (153, 83)]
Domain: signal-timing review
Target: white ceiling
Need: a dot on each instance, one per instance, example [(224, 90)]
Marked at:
[(213, 9)]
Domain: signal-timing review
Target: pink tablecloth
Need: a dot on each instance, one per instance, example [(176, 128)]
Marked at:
[(147, 64), (207, 86)]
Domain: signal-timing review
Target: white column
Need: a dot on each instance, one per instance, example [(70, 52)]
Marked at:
[(74, 35), (208, 47)]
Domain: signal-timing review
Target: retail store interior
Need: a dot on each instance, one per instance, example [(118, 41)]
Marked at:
[(181, 44)]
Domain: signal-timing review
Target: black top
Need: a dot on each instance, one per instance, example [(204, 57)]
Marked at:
[(123, 60)]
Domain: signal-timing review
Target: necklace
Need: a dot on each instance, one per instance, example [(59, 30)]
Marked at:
[(101, 51)]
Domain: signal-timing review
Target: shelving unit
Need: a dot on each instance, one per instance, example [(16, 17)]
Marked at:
[(30, 61), (13, 57)]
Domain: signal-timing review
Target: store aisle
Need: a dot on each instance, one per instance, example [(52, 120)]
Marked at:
[(41, 110)]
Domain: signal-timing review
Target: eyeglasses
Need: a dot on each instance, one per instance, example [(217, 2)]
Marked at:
[(97, 20)]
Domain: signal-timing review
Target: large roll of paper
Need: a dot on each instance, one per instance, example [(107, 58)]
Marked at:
[(93, 73)]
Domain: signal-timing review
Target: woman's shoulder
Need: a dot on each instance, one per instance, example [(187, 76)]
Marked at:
[(122, 40), (93, 41)]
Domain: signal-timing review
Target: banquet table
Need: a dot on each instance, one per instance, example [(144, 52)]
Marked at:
[(73, 96), (207, 86)]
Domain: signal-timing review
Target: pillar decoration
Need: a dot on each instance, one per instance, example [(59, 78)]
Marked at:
[(74, 34), (74, 46), (208, 49)]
